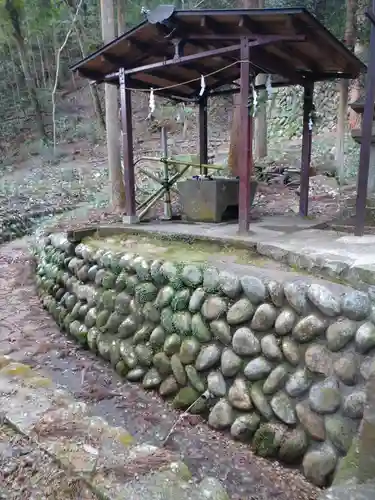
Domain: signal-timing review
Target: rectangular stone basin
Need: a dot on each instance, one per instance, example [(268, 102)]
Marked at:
[(213, 200)]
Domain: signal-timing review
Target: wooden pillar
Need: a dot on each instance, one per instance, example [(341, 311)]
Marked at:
[(367, 123), (127, 146), (203, 133), (245, 167), (306, 148)]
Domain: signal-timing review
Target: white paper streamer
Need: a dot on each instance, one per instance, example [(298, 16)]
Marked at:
[(310, 124), (269, 88), (255, 100), (151, 103), (203, 86)]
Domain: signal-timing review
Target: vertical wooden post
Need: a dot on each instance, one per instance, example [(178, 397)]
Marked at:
[(306, 148), (203, 133), (245, 143), (367, 122), (127, 146)]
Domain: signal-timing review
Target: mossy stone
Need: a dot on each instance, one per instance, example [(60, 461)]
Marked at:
[(145, 292), (166, 320), (164, 297), (221, 331), (178, 370), (180, 301), (122, 369), (128, 355), (122, 303), (151, 313), (128, 327), (131, 284), (196, 380), (168, 387), (121, 282), (143, 334), (172, 344), (92, 336), (91, 273), (115, 355), (268, 438), (114, 322), (185, 398), (182, 322), (157, 337), (101, 319), (196, 300), (199, 328), (152, 379), (162, 363), (136, 374), (189, 350), (107, 300)]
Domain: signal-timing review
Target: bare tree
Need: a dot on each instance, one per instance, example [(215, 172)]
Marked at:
[(350, 37)]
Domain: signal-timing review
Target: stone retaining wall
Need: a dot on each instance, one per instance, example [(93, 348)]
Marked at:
[(283, 367)]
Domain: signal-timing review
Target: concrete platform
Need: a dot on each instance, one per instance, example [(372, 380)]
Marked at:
[(292, 240)]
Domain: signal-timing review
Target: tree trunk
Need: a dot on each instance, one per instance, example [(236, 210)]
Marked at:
[(31, 88), (350, 35), (121, 8), (112, 116)]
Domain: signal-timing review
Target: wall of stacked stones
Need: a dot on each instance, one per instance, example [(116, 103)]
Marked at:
[(282, 367)]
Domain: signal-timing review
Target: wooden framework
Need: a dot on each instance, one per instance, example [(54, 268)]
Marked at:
[(170, 56), (367, 123)]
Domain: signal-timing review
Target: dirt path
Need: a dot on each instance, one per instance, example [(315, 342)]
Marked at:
[(31, 336)]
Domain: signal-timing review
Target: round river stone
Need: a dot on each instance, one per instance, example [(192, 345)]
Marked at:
[(200, 329), (319, 463), (211, 280), (208, 357), (354, 404), (270, 348), (318, 360), (268, 438), (213, 308), (178, 370), (189, 350), (325, 396), (275, 379), (291, 351), (254, 289), (245, 343), (152, 379), (356, 305), (283, 408), (221, 416), (244, 427), (258, 368), (196, 300), (365, 337), (276, 292), (298, 383), (168, 387), (346, 368), (285, 321), (296, 295), (312, 423), (260, 401), (162, 363), (340, 333), (324, 299), (192, 276), (238, 395), (216, 384), (240, 312), (221, 331), (230, 285), (293, 446), (308, 328), (195, 379), (264, 318), (340, 431), (230, 363)]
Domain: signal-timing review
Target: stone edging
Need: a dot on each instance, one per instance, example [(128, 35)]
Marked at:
[(282, 366), (107, 458)]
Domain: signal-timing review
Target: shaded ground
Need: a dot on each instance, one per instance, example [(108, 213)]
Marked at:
[(31, 336), (27, 472)]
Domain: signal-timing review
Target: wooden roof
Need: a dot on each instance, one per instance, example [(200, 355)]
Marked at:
[(307, 51)]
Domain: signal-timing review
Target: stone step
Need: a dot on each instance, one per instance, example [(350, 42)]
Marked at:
[(107, 458)]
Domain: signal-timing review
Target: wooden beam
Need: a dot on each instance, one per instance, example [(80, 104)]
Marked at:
[(246, 156), (306, 148), (127, 144), (203, 132)]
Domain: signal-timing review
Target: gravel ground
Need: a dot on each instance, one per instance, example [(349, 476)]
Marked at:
[(27, 472), (31, 336)]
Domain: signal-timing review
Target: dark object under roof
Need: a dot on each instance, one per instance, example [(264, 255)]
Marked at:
[(304, 51)]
